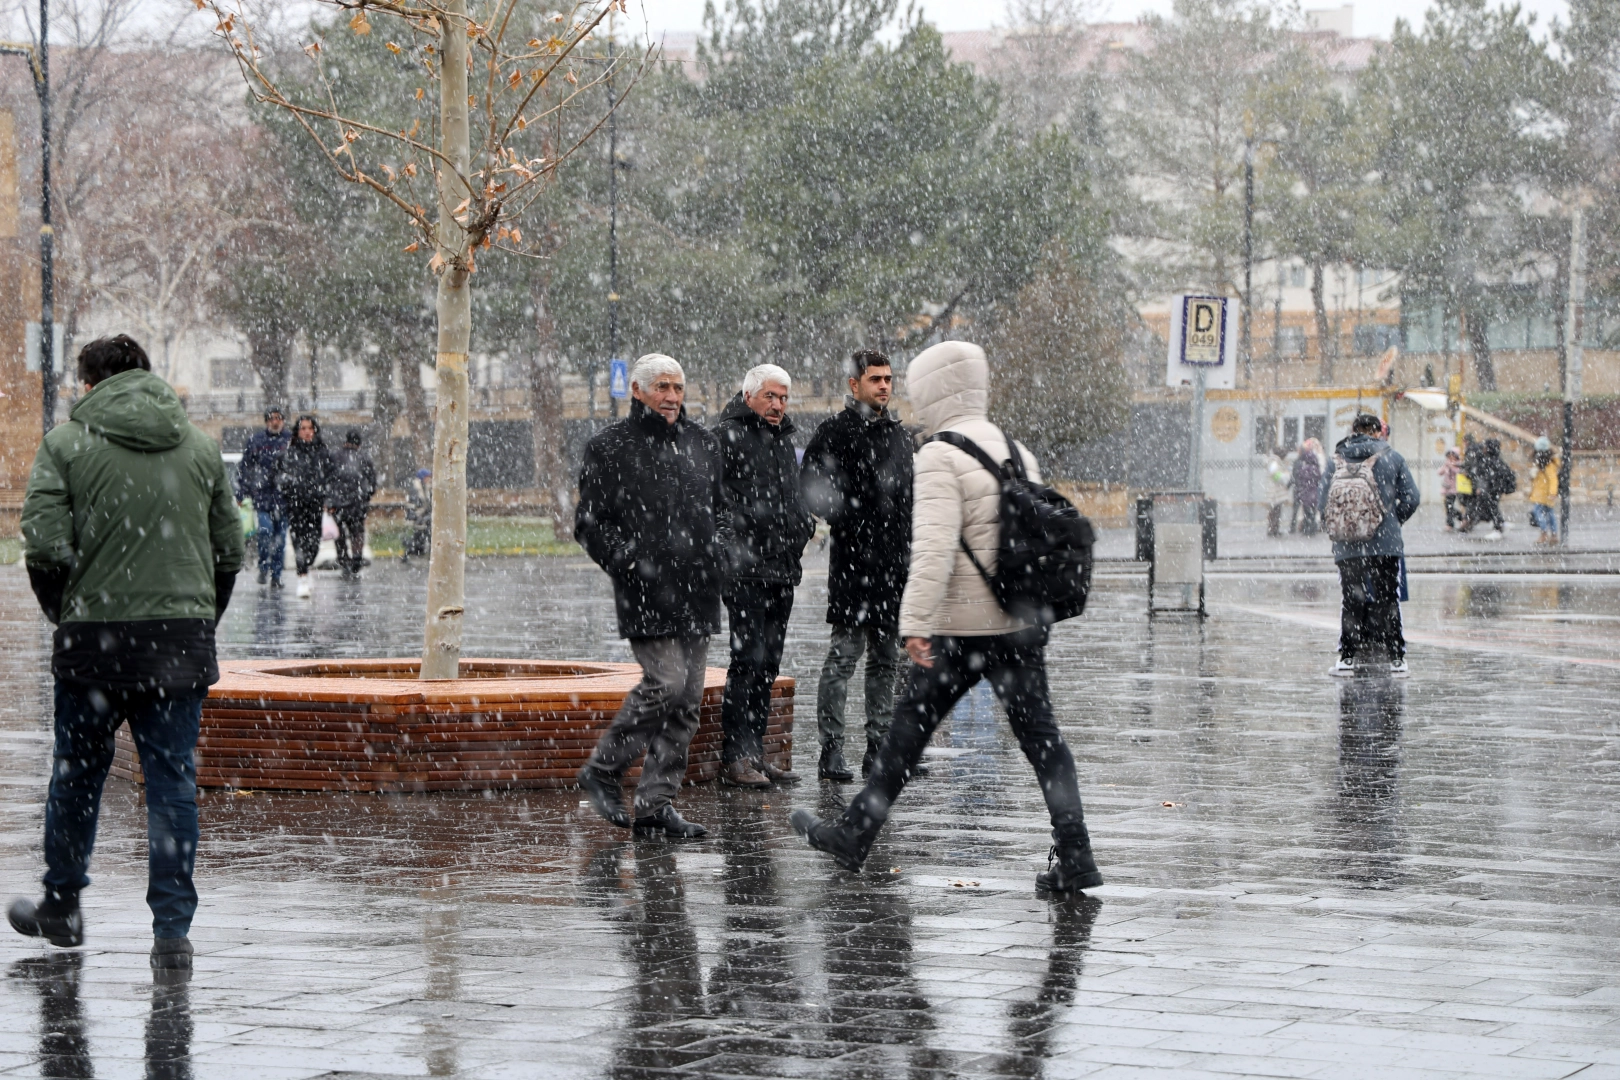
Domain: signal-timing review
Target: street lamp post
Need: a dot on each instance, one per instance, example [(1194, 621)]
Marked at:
[(613, 216), (40, 63), (1248, 259)]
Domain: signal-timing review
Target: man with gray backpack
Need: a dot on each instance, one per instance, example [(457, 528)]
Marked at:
[(996, 558), (1368, 494)]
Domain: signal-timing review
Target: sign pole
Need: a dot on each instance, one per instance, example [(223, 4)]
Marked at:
[(1195, 452), (1572, 361)]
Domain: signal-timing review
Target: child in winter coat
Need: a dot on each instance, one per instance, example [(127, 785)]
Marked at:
[(1543, 492), (1448, 486)]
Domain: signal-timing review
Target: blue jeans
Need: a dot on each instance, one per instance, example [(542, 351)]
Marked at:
[(272, 543), (1544, 517), (165, 731)]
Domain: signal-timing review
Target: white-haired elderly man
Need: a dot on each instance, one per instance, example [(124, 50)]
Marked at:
[(653, 514), (770, 527)]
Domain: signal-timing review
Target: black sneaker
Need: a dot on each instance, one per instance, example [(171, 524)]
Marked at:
[(832, 765), (57, 921), (171, 953), (831, 838), (667, 820), (1068, 872), (606, 796)]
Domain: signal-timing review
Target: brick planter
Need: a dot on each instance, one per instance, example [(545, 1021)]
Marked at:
[(370, 725)]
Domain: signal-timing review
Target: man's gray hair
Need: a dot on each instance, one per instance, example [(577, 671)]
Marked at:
[(649, 368), (764, 373)]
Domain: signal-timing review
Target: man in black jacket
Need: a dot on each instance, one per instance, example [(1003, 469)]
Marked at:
[(256, 480), (769, 530), (857, 477), (652, 513)]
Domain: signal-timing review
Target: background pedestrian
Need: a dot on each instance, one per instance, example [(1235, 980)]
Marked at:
[(1368, 546), (1448, 485), (303, 476), (348, 493), (419, 515), (857, 478), (1544, 492), (133, 543), (256, 481), (1307, 483)]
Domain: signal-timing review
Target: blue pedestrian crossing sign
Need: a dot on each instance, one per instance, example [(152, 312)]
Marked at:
[(618, 378)]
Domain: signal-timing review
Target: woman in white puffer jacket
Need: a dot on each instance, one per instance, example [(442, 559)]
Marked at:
[(954, 630)]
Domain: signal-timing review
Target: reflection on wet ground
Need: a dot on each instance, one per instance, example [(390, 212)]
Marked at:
[(1308, 877)]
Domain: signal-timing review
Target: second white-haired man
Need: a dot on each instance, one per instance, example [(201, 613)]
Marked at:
[(652, 513), (770, 527)]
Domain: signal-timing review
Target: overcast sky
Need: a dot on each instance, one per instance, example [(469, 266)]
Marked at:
[(1373, 18)]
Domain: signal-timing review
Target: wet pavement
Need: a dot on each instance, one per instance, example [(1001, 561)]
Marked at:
[(1307, 877)]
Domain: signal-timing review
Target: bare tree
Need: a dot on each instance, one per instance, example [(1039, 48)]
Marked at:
[(529, 62)]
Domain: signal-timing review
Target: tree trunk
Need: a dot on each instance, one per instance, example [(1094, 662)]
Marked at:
[(546, 408), (267, 351), (1327, 349), (1484, 367), (446, 588)]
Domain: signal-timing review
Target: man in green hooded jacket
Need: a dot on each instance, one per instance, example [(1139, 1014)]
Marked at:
[(133, 542)]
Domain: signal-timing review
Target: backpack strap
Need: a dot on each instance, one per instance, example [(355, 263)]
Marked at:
[(978, 453)]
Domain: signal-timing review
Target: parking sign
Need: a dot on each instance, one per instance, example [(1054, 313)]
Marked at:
[(619, 378), (1202, 339)]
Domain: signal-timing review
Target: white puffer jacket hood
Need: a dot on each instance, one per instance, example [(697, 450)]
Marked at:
[(954, 499)]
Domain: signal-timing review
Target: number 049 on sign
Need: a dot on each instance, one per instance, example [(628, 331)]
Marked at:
[(1202, 339)]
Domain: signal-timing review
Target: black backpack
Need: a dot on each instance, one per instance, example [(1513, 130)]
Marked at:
[(1043, 561)]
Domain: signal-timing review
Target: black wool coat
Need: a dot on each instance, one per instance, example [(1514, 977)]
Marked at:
[(304, 472), (769, 524), (857, 477), (652, 512)]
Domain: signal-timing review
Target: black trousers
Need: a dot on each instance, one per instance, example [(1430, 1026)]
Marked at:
[(1370, 619), (351, 538), (1015, 664), (304, 522), (759, 616)]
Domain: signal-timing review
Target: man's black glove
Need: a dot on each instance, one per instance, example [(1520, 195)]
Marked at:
[(224, 584), (49, 583)]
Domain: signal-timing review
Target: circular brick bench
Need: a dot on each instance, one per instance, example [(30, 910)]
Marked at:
[(371, 725)]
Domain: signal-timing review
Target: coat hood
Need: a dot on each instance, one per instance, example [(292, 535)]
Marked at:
[(1360, 447), (135, 410), (737, 409), (948, 383)]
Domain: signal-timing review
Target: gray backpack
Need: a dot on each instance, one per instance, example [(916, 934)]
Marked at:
[(1355, 507)]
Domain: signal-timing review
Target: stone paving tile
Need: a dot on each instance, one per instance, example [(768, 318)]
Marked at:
[(1373, 878)]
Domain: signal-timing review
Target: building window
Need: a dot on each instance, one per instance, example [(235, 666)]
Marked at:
[(1265, 434), (1296, 276), (1371, 339), (1291, 341)]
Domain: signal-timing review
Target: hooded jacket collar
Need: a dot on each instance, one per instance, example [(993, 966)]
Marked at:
[(737, 409), (1360, 447), (948, 384), (135, 410)]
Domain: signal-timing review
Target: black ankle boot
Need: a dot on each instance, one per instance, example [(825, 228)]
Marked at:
[(55, 918), (1068, 870), (606, 796), (831, 837), (832, 765), (667, 820)]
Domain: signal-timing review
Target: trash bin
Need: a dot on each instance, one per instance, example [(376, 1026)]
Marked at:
[(1175, 533)]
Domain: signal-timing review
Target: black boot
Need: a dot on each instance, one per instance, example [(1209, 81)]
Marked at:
[(606, 796), (831, 837), (171, 954), (55, 918), (1068, 870), (832, 765), (667, 820)]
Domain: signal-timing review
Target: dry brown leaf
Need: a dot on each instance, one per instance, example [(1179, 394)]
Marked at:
[(436, 263), (395, 49), (517, 235), (410, 168), (359, 24), (572, 78), (419, 93), (413, 245), (522, 123)]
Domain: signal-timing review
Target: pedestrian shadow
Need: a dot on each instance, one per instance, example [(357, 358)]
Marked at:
[(1034, 1024), (64, 1046), (1365, 811)]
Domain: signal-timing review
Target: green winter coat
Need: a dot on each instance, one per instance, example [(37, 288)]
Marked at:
[(132, 504)]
